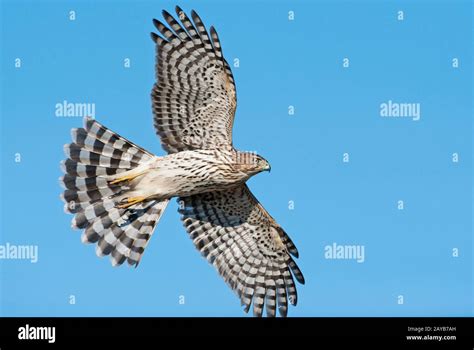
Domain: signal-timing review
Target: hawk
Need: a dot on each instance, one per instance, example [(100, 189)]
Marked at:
[(118, 191)]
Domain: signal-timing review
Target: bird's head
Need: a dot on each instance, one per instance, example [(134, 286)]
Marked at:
[(262, 164), (251, 163)]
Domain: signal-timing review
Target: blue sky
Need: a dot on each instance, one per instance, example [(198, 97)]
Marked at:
[(282, 63)]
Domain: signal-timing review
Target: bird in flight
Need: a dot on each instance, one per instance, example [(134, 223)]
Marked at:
[(118, 191)]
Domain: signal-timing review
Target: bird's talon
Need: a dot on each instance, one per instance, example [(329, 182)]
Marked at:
[(131, 201)]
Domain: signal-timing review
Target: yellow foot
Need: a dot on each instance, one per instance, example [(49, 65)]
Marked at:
[(126, 178), (131, 201)]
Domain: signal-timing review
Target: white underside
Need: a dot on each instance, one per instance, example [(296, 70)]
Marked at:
[(166, 177)]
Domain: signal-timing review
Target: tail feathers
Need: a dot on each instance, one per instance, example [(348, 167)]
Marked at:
[(82, 155), (101, 210), (72, 182), (98, 132), (126, 238), (134, 155), (74, 168), (70, 196), (95, 157)]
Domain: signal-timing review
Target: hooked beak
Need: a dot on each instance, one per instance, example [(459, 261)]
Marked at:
[(268, 168)]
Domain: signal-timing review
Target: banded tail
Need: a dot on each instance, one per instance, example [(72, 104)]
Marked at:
[(96, 157)]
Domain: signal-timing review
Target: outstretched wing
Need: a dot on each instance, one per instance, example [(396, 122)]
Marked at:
[(194, 99), (249, 249)]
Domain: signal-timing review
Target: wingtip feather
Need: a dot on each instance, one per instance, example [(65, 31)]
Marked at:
[(154, 37)]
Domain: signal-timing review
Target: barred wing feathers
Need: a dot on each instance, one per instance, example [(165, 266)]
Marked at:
[(249, 249), (194, 99)]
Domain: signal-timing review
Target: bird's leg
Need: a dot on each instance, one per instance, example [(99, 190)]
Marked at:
[(128, 177), (128, 202)]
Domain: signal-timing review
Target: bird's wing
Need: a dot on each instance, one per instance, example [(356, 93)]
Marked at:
[(249, 249), (194, 99)]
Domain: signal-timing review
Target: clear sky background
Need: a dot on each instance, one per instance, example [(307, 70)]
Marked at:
[(408, 252)]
